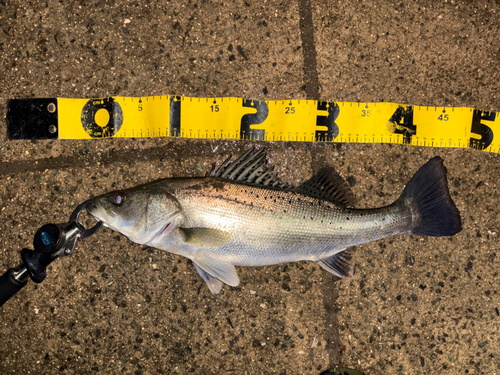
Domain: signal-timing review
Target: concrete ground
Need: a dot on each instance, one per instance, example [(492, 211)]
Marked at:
[(414, 306)]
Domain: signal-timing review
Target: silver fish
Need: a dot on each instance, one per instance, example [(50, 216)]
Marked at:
[(241, 214)]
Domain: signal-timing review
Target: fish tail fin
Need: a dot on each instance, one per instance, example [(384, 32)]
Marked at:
[(434, 212)]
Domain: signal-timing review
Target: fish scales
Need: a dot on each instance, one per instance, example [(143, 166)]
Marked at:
[(241, 214), (271, 226)]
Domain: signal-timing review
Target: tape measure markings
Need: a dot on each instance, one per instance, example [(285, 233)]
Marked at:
[(236, 118)]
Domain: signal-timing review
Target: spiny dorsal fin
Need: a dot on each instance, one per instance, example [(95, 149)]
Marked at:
[(328, 185), (250, 168)]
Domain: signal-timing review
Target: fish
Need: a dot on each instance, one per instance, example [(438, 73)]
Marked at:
[(241, 214)]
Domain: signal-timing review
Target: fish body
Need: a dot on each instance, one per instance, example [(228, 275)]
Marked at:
[(269, 226), (242, 215)]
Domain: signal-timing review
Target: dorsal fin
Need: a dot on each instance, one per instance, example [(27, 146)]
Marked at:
[(328, 185), (250, 168)]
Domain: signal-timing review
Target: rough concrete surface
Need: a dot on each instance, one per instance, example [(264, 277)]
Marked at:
[(415, 305)]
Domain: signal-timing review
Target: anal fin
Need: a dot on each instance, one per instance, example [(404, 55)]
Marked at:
[(338, 264)]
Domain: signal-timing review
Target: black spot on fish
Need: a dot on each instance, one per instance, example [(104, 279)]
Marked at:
[(198, 187), (218, 185)]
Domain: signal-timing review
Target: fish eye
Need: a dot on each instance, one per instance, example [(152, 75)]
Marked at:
[(119, 199)]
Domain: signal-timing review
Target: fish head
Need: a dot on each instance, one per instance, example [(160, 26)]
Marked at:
[(139, 213)]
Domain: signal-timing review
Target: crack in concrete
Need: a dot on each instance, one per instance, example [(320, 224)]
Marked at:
[(171, 151), (308, 50), (330, 293)]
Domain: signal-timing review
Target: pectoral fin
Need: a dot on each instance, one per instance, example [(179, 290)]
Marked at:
[(205, 237), (338, 264), (211, 269)]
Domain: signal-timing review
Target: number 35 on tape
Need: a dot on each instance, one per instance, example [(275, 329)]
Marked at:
[(236, 118)]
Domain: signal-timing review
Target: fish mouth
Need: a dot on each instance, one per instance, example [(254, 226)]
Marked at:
[(93, 210), (101, 214), (91, 206)]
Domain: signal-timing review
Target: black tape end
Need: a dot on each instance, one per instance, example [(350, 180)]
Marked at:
[(32, 118)]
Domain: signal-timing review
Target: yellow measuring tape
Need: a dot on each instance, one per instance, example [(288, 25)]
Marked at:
[(271, 120)]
